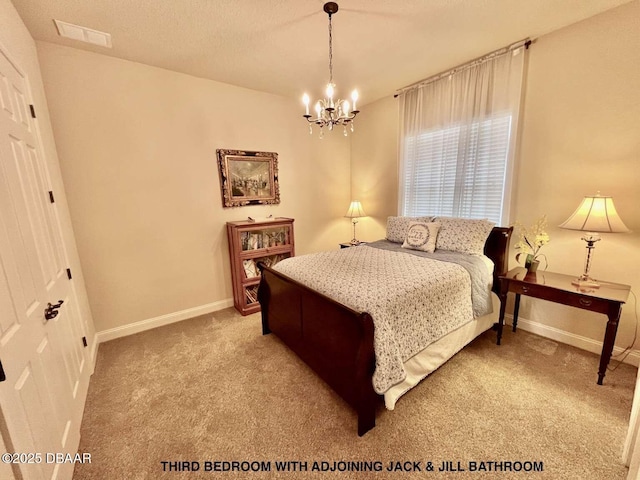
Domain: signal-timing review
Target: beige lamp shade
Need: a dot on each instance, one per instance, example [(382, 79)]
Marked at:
[(355, 210), (596, 214)]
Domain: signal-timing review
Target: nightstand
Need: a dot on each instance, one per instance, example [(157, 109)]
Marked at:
[(556, 287), (347, 245)]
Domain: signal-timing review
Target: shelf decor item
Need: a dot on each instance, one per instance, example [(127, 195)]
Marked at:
[(252, 242), (594, 215), (530, 241), (248, 178)]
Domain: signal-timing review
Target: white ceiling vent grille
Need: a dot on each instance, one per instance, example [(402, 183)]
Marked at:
[(84, 34)]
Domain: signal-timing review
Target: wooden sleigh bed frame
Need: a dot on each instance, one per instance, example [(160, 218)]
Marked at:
[(336, 341)]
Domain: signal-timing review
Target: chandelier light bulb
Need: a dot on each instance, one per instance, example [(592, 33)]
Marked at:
[(354, 97), (345, 108), (329, 91), (305, 100)]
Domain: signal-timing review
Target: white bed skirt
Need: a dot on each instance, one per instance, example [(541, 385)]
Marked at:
[(429, 359)]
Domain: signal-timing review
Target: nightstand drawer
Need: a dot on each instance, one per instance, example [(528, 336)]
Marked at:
[(531, 290), (588, 303)]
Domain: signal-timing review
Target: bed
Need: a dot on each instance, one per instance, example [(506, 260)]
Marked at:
[(372, 337)]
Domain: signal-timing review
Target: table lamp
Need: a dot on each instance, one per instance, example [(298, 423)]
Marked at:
[(595, 214), (355, 211)]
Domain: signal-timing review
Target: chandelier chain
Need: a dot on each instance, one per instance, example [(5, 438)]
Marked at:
[(330, 52)]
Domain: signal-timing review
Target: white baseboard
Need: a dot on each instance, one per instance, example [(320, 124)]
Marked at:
[(94, 352), (584, 343), (141, 326)]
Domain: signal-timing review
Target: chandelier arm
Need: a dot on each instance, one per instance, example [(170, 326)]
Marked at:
[(342, 120)]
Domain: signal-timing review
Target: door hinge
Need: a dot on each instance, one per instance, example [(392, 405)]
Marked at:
[(3, 377), (84, 341), (51, 199), (33, 111), (69, 273)]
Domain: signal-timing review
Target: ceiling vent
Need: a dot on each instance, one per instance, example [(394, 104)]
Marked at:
[(84, 34)]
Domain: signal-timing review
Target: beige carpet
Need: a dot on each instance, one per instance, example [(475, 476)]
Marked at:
[(213, 389)]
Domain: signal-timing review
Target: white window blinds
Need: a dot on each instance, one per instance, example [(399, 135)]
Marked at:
[(458, 171)]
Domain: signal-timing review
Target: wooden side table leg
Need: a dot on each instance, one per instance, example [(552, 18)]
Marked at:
[(516, 309), (504, 289), (609, 339)]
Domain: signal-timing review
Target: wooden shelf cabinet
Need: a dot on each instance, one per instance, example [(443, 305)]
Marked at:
[(250, 243)]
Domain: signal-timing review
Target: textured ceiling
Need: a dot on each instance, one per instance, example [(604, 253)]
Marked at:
[(281, 46)]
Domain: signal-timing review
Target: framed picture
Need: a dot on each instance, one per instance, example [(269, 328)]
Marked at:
[(248, 178)]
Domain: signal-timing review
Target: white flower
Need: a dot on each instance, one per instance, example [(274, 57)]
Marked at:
[(532, 239)]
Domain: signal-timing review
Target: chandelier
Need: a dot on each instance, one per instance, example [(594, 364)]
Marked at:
[(330, 112)]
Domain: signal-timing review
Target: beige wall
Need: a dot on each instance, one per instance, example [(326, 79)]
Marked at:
[(137, 147), (374, 154), (581, 134), (15, 39)]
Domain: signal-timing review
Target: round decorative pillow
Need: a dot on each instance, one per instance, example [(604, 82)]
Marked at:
[(421, 236)]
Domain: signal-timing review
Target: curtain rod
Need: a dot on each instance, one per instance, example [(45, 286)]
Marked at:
[(526, 43)]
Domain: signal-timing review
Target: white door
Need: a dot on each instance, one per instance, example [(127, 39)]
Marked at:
[(43, 360), (631, 451)]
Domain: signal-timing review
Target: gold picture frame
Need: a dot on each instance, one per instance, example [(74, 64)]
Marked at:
[(248, 178)]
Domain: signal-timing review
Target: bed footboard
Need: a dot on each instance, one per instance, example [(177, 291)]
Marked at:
[(335, 341)]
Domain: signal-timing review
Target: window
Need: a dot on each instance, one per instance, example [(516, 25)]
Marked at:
[(458, 139), (458, 171)]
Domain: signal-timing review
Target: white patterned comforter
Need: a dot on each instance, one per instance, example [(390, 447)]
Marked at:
[(413, 300)]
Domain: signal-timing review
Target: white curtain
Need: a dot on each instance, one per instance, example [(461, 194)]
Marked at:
[(458, 139)]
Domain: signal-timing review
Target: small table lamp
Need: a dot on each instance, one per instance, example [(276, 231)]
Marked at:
[(355, 211), (595, 214)]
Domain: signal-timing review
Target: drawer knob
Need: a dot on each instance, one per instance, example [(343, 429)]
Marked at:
[(525, 289), (585, 302)]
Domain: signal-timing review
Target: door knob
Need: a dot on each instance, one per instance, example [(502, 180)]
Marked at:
[(52, 310)]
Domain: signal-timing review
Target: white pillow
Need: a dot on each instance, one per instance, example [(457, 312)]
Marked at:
[(397, 227), (463, 235), (422, 236)]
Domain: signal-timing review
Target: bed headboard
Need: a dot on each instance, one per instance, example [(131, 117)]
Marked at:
[(497, 249)]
